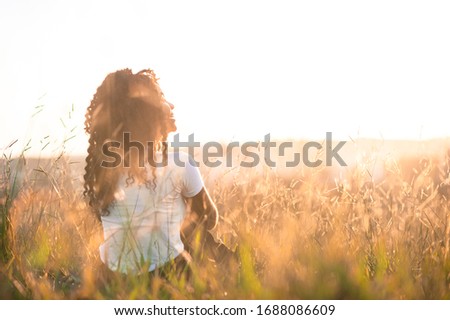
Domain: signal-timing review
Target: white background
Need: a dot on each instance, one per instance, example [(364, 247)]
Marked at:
[(234, 69)]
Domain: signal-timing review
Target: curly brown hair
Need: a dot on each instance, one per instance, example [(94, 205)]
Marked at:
[(124, 103)]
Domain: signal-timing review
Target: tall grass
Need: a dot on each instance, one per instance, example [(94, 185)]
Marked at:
[(306, 235)]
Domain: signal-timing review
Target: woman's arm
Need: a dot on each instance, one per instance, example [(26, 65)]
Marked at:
[(202, 218), (205, 210), (198, 241)]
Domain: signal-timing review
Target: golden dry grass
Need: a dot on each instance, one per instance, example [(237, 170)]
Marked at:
[(301, 235)]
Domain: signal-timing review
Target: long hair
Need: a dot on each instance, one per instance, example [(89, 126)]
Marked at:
[(121, 106)]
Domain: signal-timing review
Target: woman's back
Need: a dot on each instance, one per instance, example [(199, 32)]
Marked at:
[(142, 229)]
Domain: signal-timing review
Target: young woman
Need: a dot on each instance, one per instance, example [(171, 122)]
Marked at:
[(134, 184)]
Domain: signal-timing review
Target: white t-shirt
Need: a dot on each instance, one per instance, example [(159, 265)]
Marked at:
[(143, 226)]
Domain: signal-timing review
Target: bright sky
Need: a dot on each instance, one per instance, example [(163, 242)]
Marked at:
[(233, 69)]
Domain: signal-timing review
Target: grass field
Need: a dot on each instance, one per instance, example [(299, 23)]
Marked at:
[(378, 229)]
